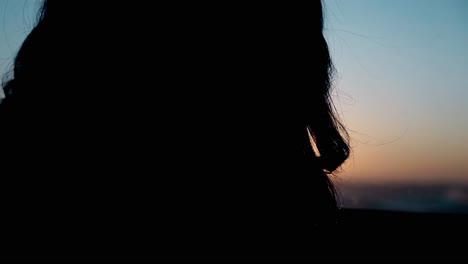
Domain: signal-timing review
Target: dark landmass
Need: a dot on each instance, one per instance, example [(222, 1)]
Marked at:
[(423, 198), (398, 235), (403, 222)]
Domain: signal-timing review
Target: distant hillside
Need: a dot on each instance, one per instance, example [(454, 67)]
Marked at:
[(405, 197)]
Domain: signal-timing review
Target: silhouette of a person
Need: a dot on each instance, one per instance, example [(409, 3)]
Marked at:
[(182, 129)]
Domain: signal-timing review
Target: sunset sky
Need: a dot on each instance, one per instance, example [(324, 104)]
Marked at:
[(400, 87)]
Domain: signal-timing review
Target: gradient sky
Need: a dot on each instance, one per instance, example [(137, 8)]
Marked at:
[(400, 87)]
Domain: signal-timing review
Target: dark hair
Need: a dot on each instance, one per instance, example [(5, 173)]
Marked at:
[(73, 47)]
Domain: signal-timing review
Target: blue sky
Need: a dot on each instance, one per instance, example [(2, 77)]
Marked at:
[(400, 87), (17, 18)]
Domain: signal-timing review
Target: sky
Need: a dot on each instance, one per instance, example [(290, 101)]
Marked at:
[(400, 86), (17, 18)]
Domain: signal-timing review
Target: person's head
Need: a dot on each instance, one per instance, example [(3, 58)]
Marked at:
[(252, 66)]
